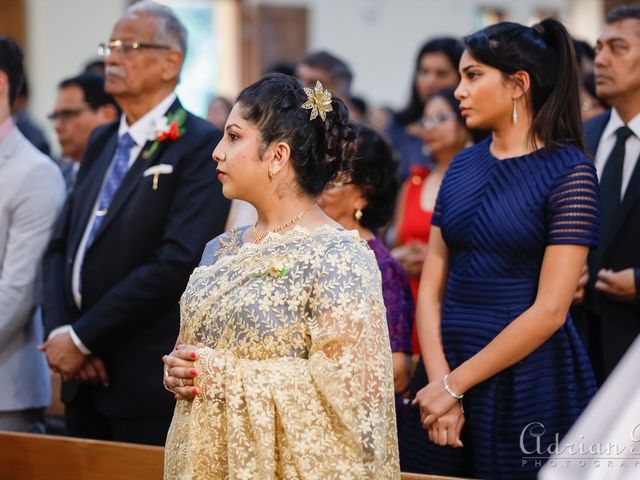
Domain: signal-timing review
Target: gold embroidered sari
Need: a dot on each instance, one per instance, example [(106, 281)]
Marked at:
[(296, 378)]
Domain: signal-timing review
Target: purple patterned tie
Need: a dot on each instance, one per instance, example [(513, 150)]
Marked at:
[(118, 170)]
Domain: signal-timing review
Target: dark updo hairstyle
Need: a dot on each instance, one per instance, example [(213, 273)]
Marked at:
[(375, 171), (451, 48), (448, 95), (319, 149), (545, 51)]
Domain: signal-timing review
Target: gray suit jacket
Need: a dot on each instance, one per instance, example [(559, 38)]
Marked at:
[(31, 193)]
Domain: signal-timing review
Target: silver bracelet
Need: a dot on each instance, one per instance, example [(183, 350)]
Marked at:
[(448, 389)]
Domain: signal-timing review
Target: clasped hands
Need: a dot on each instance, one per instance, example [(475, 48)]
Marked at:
[(411, 256), (179, 371), (70, 363), (441, 414), (620, 285)]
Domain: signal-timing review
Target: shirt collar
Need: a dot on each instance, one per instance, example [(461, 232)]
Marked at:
[(143, 129), (616, 122), (5, 128)]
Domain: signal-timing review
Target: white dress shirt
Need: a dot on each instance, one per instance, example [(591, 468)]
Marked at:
[(632, 147), (141, 131)]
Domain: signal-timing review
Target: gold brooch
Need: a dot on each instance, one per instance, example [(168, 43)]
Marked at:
[(318, 101)]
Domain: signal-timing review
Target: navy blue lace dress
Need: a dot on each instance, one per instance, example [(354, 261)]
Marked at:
[(497, 216)]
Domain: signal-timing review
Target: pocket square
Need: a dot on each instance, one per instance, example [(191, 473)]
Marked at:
[(156, 171), (159, 169)]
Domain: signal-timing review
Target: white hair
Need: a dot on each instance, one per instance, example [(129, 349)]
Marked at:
[(170, 30)]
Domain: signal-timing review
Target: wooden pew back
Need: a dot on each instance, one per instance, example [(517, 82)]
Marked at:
[(44, 457)]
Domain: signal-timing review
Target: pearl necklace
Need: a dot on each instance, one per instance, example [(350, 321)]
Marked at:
[(257, 236)]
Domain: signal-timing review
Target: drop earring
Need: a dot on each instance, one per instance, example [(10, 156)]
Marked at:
[(514, 115), (270, 173), (358, 214)]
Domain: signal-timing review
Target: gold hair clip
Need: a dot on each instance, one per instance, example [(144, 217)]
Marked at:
[(318, 101)]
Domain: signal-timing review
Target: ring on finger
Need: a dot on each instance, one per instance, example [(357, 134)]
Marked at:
[(181, 382)]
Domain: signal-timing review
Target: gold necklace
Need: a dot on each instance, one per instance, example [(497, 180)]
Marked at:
[(257, 236)]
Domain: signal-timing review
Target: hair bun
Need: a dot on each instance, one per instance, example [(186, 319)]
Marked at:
[(319, 148), (340, 137)]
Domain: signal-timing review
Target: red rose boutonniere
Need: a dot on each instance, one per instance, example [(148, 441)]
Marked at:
[(169, 127)]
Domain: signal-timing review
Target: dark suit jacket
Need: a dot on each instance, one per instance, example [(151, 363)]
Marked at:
[(138, 265), (619, 323)]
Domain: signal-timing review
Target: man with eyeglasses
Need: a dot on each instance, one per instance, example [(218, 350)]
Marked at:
[(81, 106), (145, 202)]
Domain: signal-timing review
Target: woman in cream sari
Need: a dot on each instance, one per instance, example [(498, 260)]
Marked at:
[(283, 366)]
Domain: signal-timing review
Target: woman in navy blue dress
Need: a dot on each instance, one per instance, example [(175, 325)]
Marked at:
[(513, 223)]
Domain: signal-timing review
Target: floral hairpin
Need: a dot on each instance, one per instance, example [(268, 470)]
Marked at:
[(318, 101)]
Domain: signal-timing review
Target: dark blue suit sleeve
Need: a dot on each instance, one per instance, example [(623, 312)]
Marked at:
[(55, 307)]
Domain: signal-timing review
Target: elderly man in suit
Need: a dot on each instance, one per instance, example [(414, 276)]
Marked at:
[(31, 192), (145, 203), (613, 295)]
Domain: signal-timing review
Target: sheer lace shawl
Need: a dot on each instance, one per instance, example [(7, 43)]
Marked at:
[(296, 376)]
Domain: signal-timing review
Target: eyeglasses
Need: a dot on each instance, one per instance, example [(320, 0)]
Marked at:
[(124, 47), (438, 119), (66, 114)]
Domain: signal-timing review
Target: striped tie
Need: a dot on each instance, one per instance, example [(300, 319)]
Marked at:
[(118, 170)]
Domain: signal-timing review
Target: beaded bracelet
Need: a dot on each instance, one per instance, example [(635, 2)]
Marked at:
[(448, 389)]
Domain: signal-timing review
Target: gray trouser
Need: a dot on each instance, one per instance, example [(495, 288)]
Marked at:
[(26, 421)]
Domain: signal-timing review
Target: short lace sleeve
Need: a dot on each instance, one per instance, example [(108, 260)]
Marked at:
[(573, 207), (227, 243)]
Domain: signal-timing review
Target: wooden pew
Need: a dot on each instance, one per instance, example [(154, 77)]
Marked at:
[(44, 457)]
